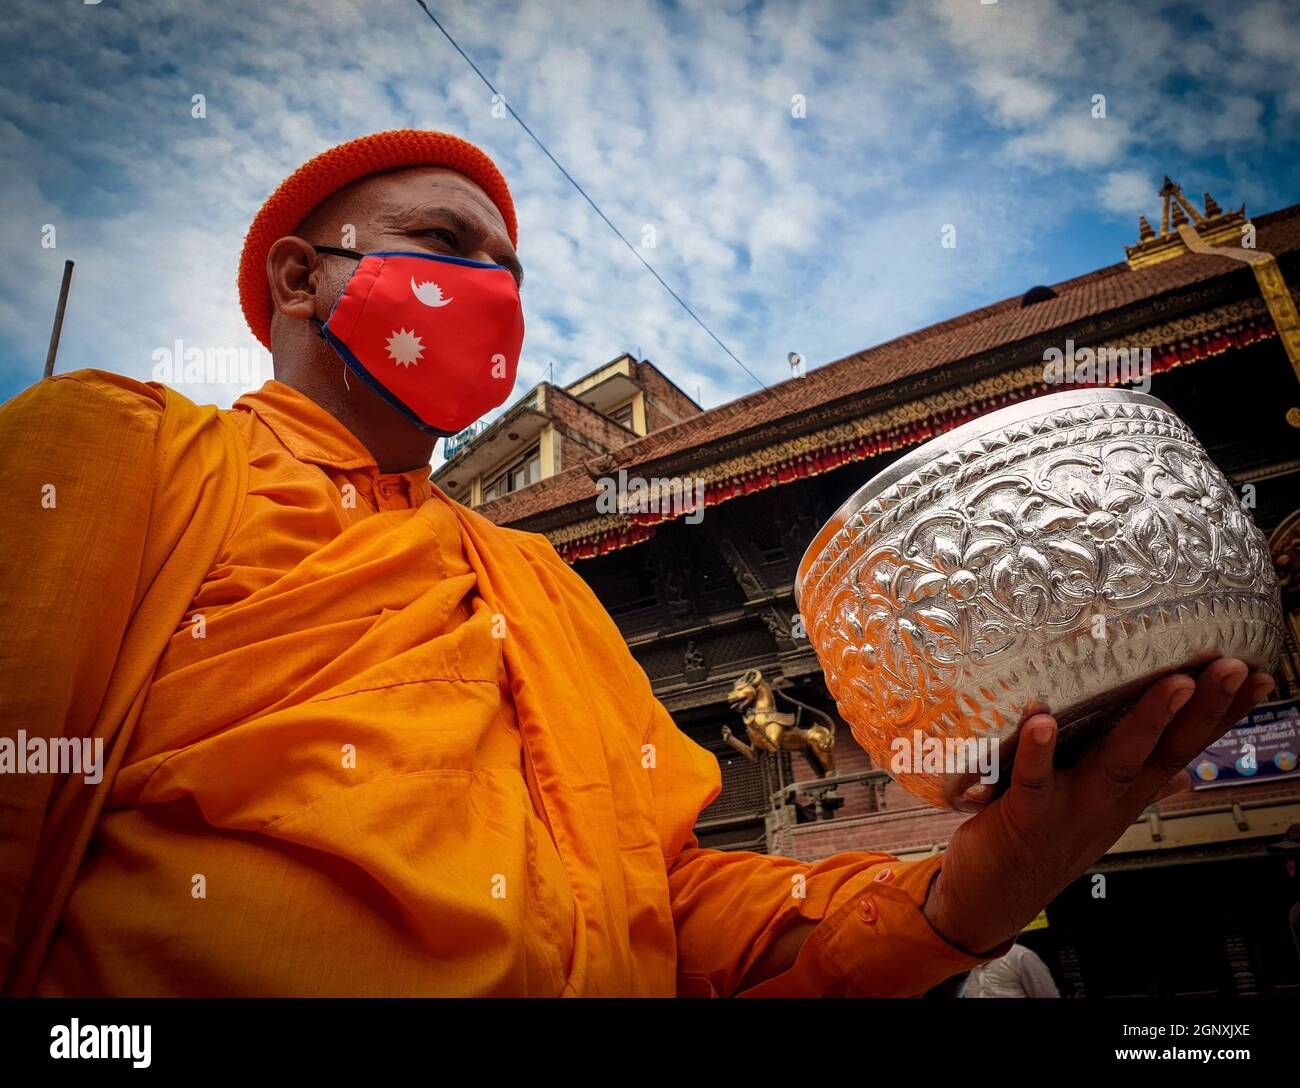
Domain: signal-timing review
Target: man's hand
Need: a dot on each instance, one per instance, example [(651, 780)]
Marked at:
[(1010, 860)]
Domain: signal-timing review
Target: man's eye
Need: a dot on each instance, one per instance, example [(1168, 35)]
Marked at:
[(443, 235)]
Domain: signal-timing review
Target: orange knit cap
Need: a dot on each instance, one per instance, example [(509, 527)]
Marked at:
[(329, 172)]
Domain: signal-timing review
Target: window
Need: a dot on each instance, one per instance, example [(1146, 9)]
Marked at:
[(623, 415), (519, 474)]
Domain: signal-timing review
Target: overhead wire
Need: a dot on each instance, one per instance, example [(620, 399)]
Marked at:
[(498, 96)]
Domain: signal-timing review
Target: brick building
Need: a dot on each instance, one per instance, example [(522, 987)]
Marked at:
[(554, 428)]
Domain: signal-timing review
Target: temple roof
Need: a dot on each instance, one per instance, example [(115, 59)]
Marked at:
[(928, 351)]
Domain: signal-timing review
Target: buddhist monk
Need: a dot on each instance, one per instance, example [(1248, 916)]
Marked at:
[(354, 739)]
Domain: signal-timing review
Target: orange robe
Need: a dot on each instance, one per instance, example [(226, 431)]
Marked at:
[(359, 740)]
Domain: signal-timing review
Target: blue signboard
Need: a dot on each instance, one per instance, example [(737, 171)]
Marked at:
[(1262, 747)]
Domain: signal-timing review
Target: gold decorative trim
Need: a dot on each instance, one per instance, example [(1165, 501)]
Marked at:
[(1284, 547), (605, 525), (1272, 287)]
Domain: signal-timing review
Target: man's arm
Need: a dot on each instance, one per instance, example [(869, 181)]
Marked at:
[(76, 484), (867, 924), (850, 925), (760, 925)]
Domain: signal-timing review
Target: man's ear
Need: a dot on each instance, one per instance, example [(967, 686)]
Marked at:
[(291, 272)]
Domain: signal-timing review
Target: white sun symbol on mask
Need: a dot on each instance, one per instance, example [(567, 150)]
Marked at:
[(404, 347)]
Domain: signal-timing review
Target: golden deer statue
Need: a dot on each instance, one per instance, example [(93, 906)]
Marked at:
[(773, 730)]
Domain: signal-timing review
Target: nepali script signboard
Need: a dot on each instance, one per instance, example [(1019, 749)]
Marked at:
[(1261, 747)]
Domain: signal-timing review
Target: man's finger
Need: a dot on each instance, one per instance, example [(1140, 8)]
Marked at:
[(1254, 691), (1032, 776), (1122, 757), (1201, 721)]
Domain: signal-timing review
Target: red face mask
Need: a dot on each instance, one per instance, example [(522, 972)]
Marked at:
[(437, 337)]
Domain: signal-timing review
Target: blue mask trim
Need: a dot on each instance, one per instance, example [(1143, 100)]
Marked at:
[(357, 255), (438, 257)]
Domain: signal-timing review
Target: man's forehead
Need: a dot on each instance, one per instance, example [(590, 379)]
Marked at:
[(410, 190)]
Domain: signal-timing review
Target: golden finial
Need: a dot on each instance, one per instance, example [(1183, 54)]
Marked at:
[(1215, 226)]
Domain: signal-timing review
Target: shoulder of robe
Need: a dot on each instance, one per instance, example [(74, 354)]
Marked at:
[(533, 544), (93, 405), (152, 403), (573, 595), (535, 548), (530, 542), (124, 399)]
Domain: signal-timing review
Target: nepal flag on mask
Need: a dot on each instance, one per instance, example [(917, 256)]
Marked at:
[(437, 337)]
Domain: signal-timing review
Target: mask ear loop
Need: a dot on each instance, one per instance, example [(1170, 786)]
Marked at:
[(320, 331), (320, 328)]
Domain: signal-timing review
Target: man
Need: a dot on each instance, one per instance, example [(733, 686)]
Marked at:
[(359, 740), (1020, 973)]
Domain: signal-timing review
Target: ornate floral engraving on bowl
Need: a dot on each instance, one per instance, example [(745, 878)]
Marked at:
[(1061, 553)]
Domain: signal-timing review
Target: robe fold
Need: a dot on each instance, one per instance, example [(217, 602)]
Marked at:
[(359, 740)]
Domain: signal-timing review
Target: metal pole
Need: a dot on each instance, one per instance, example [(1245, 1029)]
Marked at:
[(58, 319)]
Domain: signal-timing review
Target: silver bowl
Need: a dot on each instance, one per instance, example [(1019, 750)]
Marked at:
[(1059, 554)]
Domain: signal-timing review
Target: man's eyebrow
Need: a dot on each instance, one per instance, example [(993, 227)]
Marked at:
[(460, 223)]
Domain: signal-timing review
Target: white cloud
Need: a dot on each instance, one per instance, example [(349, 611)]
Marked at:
[(1127, 191), (1076, 139)]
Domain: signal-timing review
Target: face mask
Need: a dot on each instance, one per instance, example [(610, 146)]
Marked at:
[(437, 337)]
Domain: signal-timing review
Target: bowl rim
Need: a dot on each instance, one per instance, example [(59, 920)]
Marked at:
[(1029, 408)]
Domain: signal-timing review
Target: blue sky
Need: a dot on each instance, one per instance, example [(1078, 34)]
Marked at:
[(819, 234)]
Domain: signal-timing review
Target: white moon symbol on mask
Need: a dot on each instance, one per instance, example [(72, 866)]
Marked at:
[(428, 292)]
